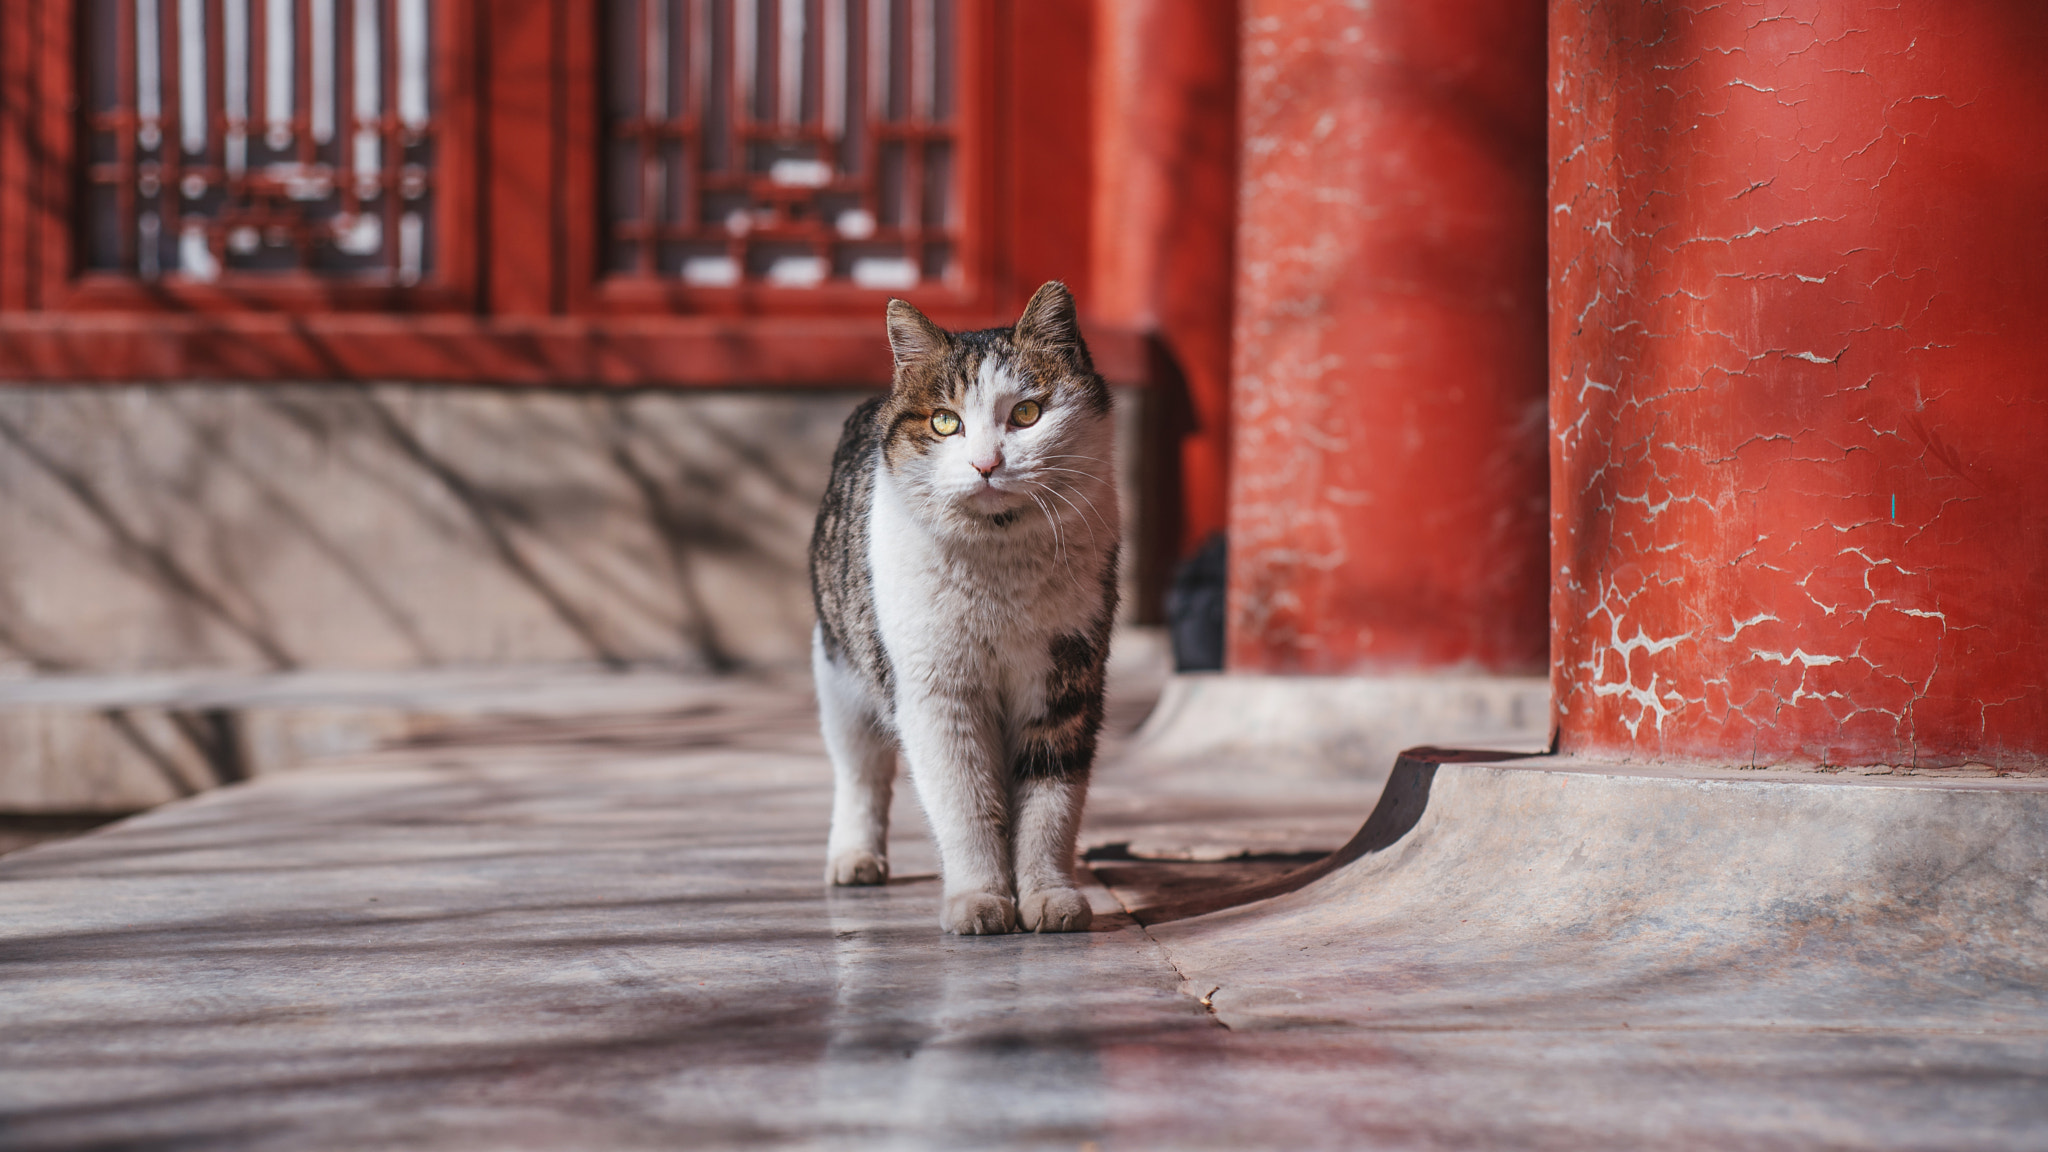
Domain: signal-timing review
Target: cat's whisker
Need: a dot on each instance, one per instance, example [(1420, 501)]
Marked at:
[(1059, 545), (1093, 540), (1072, 484), (1073, 471), (1100, 518), (1052, 491)]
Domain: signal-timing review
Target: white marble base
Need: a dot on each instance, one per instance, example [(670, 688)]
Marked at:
[(1259, 727)]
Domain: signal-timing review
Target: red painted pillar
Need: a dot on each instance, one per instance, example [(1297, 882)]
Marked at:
[(1799, 374), (1165, 208), (1387, 486)]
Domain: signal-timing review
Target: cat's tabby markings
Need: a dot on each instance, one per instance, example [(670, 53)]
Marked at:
[(964, 570)]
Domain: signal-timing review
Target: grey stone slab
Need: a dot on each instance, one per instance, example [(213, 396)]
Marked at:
[(610, 933), (128, 743), (119, 744)]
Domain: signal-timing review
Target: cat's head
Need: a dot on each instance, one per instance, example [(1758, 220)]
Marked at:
[(981, 425)]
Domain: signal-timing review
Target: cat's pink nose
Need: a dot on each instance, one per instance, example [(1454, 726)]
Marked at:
[(987, 467)]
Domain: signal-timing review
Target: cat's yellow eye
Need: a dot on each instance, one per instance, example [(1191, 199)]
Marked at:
[(1025, 414), (945, 423)]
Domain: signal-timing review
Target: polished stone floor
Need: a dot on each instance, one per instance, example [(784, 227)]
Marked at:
[(598, 933)]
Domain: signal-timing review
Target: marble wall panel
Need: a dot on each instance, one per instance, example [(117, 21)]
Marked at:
[(269, 528)]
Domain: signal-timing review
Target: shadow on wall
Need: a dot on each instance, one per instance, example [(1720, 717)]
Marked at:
[(270, 528)]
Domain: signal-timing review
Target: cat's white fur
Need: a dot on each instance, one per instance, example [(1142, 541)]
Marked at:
[(969, 615)]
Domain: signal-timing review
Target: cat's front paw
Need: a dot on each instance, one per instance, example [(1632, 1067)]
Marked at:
[(979, 914), (856, 866), (1055, 910)]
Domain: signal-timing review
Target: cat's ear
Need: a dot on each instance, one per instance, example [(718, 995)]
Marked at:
[(912, 335), (1049, 325)]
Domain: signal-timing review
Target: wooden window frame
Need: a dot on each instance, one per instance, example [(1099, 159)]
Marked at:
[(968, 288), (977, 291), (53, 223), (516, 297)]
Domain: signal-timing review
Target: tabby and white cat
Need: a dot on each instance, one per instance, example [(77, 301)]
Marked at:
[(964, 569)]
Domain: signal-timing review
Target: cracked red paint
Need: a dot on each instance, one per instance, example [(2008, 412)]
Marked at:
[(1387, 497), (1799, 390)]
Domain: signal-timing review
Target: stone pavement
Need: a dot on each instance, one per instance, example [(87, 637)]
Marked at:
[(609, 932)]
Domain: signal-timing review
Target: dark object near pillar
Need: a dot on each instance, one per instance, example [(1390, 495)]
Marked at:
[(1194, 608)]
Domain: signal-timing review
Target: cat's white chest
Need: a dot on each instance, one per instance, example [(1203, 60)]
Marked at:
[(987, 614)]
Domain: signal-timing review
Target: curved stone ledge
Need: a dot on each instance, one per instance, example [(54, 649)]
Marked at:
[(1555, 894)]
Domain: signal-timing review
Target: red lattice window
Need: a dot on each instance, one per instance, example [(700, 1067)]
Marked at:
[(791, 143), (263, 143), (546, 191)]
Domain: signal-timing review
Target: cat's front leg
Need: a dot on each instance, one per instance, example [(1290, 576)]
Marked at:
[(1051, 784), (952, 745), (1048, 819)]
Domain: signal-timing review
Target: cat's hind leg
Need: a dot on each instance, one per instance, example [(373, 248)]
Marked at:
[(863, 773)]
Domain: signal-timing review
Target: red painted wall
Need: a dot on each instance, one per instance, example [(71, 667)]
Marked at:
[(1799, 270), (1387, 486)]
